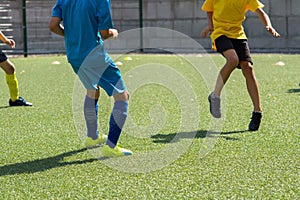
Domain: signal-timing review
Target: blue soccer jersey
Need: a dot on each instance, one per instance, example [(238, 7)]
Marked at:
[(82, 20)]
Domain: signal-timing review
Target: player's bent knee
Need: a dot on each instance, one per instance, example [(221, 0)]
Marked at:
[(245, 65), (126, 93), (122, 96), (7, 68), (232, 60), (247, 69)]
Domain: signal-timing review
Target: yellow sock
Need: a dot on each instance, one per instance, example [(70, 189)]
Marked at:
[(13, 86)]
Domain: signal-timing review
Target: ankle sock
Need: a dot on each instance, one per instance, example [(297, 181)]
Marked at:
[(257, 111), (215, 96)]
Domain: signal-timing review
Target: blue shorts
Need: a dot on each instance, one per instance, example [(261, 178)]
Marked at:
[(98, 69), (2, 56)]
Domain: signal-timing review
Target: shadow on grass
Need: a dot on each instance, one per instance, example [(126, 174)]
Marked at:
[(175, 137), (2, 107), (42, 164), (294, 90)]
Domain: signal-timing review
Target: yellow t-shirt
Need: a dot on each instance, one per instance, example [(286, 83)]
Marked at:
[(228, 16)]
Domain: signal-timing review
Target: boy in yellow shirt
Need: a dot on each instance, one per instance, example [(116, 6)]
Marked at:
[(225, 20), (11, 79)]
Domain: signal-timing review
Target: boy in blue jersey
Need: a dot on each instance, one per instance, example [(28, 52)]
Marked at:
[(86, 23), (11, 78)]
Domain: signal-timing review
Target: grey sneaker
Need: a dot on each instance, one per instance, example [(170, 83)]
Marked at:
[(214, 105)]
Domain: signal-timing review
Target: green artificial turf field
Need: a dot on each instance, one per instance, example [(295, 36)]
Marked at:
[(180, 151)]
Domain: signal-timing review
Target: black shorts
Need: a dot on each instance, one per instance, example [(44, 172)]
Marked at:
[(2, 56), (240, 46)]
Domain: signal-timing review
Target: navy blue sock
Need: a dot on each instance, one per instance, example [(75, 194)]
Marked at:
[(91, 117), (117, 120)]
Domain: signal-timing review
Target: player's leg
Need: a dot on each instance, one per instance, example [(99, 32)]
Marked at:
[(232, 61), (11, 79), (12, 82), (224, 46), (91, 113), (251, 83), (117, 120), (111, 81), (252, 87), (91, 119)]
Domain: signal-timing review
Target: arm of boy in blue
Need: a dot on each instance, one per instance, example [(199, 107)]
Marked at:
[(56, 27), (264, 18), (105, 23), (56, 19), (109, 33)]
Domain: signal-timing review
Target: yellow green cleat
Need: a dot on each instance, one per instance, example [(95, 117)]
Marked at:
[(117, 151), (90, 143)]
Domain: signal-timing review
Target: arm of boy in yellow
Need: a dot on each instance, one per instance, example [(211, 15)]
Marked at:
[(7, 41), (210, 27), (264, 18)]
